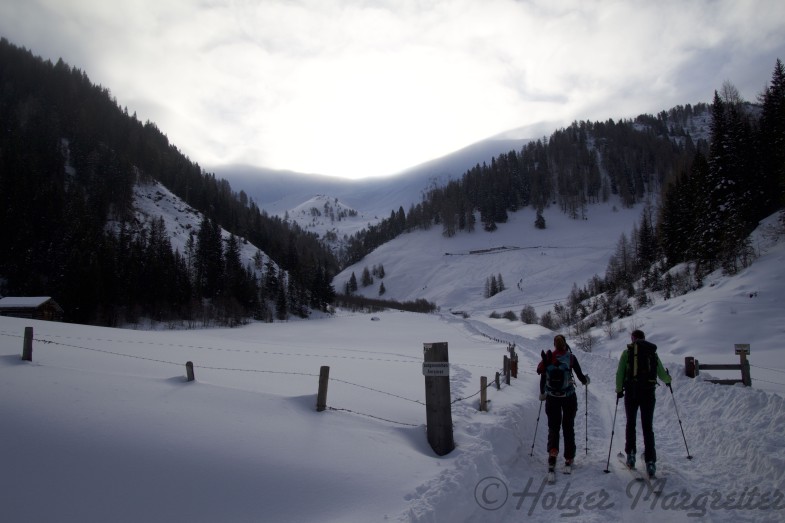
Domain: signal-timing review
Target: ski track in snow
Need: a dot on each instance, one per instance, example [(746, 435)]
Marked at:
[(506, 468)]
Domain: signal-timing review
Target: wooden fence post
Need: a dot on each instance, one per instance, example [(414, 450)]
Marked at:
[(27, 346), (513, 361), (189, 371), (498, 383), (321, 397), (743, 349), (690, 370), (746, 378), (483, 394), (438, 407)]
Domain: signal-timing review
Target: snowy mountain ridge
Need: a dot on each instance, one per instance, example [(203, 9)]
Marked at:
[(331, 220)]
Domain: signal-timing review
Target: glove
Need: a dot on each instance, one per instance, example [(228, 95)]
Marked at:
[(543, 396), (620, 394), (587, 381)]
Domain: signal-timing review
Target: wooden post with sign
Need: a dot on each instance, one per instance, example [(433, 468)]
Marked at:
[(742, 349), (438, 407)]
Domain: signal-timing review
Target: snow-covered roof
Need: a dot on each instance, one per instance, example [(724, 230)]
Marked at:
[(24, 301)]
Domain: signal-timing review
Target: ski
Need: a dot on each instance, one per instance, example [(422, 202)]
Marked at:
[(635, 472), (654, 486)]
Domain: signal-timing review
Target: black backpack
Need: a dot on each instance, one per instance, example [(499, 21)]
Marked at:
[(642, 362)]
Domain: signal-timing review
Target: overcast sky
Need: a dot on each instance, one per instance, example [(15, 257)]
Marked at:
[(361, 88)]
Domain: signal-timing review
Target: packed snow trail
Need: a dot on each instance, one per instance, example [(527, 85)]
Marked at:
[(510, 484)]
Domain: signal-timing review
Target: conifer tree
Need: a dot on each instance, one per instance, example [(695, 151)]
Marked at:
[(772, 138), (209, 258), (539, 222), (646, 243), (366, 279), (281, 299), (712, 190)]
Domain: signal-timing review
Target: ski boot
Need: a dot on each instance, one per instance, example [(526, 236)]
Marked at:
[(551, 477), (651, 469)]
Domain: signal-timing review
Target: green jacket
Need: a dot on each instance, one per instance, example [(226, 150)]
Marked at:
[(621, 371)]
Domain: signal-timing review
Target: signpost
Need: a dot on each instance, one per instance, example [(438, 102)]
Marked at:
[(438, 408), (743, 350)]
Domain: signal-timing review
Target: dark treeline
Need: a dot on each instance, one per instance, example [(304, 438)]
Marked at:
[(69, 160), (711, 206), (707, 211), (632, 160), (583, 164), (710, 194), (355, 302)]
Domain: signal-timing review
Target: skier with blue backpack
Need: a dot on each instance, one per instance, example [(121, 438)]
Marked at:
[(557, 390)]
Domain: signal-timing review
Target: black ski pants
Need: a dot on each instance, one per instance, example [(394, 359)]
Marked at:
[(561, 416), (640, 398)]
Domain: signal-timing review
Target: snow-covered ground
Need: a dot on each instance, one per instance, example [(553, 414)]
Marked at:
[(102, 425)]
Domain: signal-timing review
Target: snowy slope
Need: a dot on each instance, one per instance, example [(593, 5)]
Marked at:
[(538, 267), (153, 201), (331, 220), (102, 426)]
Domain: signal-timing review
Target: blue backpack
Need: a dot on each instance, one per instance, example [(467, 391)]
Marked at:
[(558, 374)]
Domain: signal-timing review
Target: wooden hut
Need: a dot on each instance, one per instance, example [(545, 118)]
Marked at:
[(33, 307)]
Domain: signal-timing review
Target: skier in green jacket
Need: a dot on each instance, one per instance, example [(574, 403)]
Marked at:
[(636, 379)]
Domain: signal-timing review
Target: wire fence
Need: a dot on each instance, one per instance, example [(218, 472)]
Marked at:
[(50, 339), (54, 340)]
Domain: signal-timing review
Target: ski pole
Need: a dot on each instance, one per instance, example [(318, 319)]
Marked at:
[(678, 417), (587, 416), (535, 429), (613, 430)]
